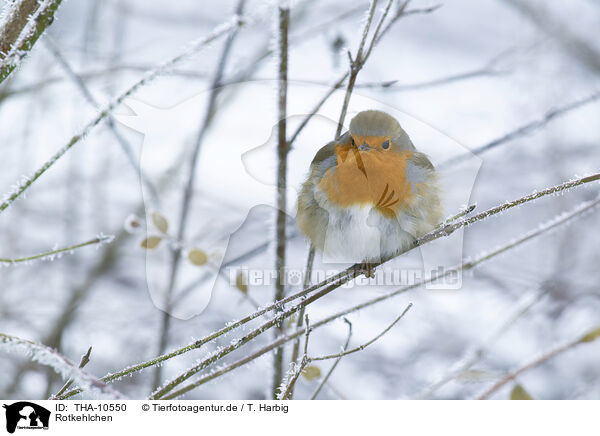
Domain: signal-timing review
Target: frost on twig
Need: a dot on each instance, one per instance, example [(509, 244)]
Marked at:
[(366, 344), (22, 23), (286, 389), (57, 253), (85, 359), (60, 364), (281, 193)]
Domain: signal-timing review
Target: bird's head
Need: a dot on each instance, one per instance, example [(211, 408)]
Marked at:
[(375, 130)]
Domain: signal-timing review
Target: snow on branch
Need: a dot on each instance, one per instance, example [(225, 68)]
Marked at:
[(22, 23), (57, 253), (59, 363)]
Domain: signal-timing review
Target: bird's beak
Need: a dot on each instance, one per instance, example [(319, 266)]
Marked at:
[(359, 161)]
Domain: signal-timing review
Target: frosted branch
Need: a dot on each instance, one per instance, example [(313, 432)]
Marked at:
[(60, 364)]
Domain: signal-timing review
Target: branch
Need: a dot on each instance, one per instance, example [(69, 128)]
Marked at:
[(471, 357), (366, 344), (360, 59), (288, 392), (523, 130), (346, 275), (281, 197), (23, 24), (85, 359), (305, 360), (306, 283), (587, 338), (51, 255), (338, 84), (160, 393), (60, 364), (358, 62), (335, 364)]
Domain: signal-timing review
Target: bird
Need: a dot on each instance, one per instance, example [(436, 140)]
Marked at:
[(368, 194)]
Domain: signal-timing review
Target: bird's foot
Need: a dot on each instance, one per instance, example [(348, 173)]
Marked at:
[(368, 269)]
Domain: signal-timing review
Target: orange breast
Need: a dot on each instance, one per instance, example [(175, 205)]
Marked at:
[(375, 178)]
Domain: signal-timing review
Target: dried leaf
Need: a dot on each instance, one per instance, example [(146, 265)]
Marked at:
[(160, 222), (519, 393), (311, 372), (197, 257), (241, 282), (591, 336), (151, 242)]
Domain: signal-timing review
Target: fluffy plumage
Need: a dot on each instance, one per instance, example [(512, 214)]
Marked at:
[(369, 194)]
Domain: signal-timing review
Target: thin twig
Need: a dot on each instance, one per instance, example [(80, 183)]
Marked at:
[(338, 84), (306, 283), (59, 363), (387, 85), (50, 255), (358, 62), (471, 357), (525, 129), (299, 367), (460, 214), (366, 344), (335, 364), (281, 197), (536, 362), (84, 361)]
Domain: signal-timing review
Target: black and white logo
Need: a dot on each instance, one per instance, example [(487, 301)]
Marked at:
[(26, 415)]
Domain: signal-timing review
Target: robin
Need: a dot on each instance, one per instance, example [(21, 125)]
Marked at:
[(369, 193)]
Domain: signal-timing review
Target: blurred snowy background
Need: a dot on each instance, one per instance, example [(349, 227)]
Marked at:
[(457, 77)]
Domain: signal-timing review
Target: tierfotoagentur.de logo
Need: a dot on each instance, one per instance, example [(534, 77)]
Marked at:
[(24, 415)]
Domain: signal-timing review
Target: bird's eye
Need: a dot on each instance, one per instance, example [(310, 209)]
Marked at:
[(386, 144), (352, 141)]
